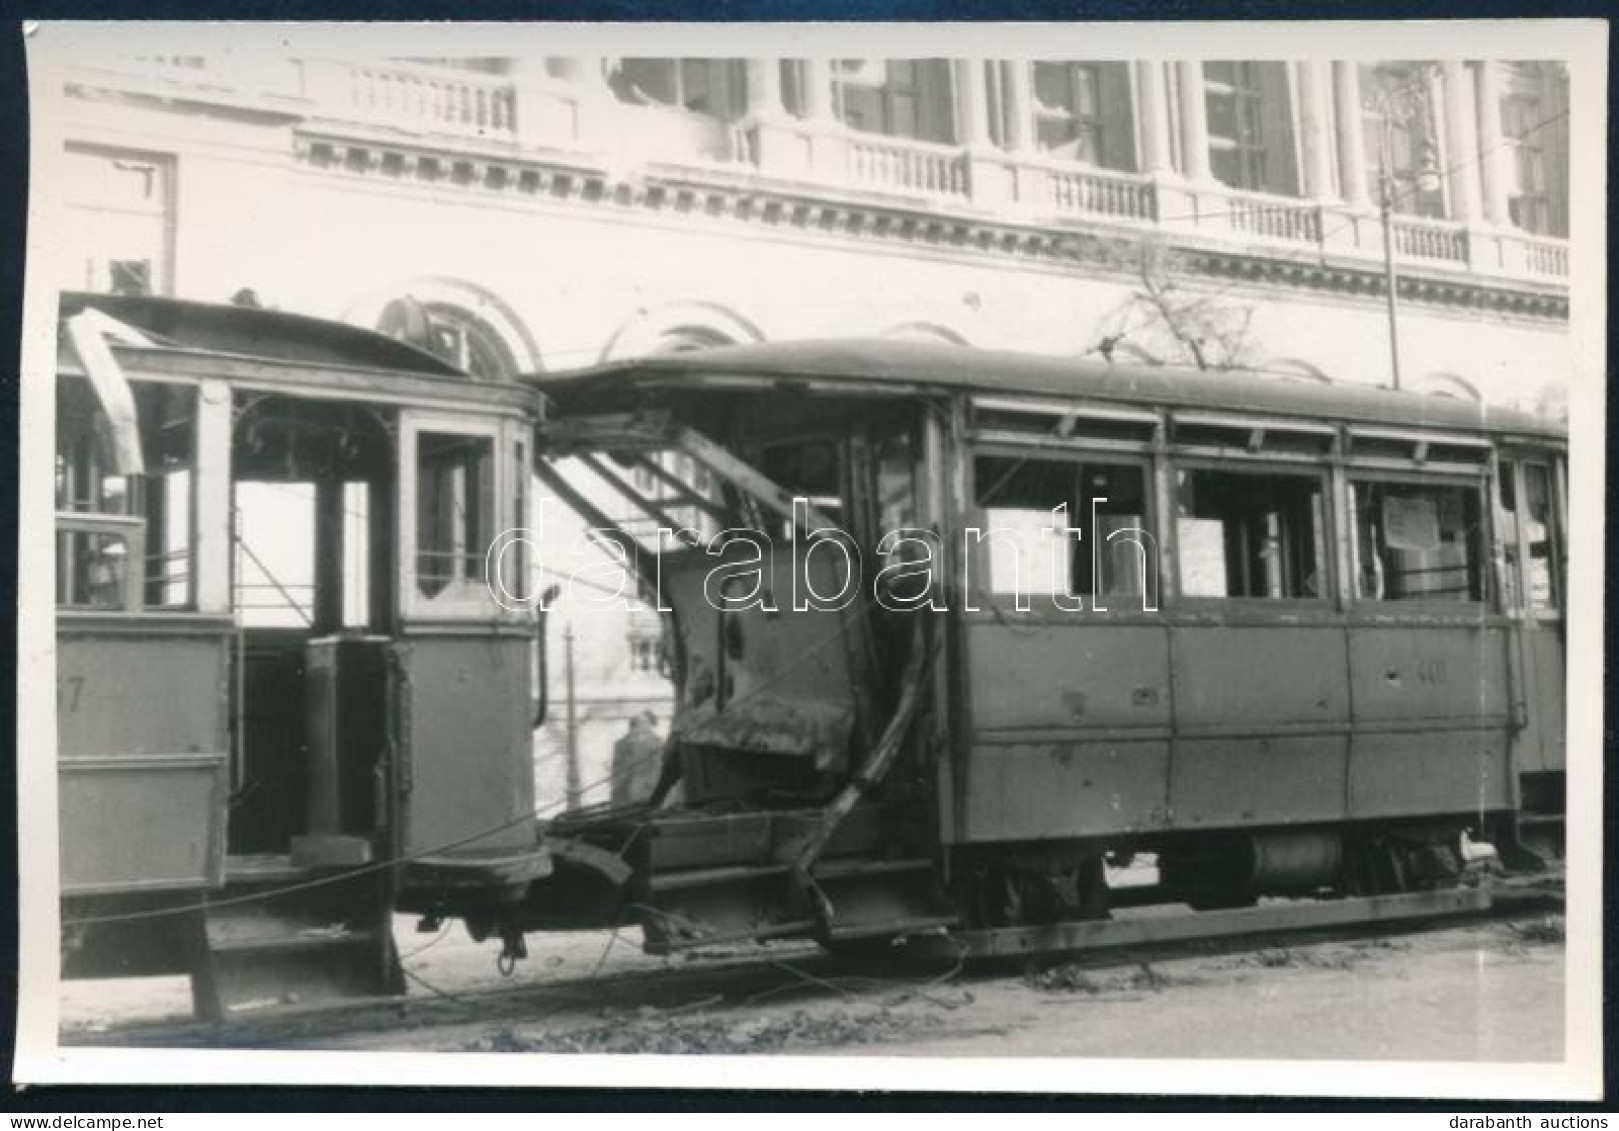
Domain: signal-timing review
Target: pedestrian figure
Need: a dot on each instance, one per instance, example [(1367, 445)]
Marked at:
[(637, 760)]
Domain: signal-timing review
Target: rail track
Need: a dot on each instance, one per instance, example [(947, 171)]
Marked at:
[(737, 979)]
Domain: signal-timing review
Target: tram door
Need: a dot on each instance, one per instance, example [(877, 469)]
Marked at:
[(462, 660), (311, 558), (1530, 528)]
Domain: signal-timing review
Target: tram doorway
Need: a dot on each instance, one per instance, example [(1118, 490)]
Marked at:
[(312, 495)]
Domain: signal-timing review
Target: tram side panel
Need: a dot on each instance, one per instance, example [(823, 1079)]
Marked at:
[(1431, 720), (1262, 715), (143, 741), (143, 784), (1070, 729), (465, 771)]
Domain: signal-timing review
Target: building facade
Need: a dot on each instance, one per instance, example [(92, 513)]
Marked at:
[(540, 214)]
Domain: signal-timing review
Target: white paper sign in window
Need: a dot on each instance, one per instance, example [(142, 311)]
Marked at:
[(1410, 523)]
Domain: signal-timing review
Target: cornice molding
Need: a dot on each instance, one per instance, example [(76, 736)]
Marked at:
[(742, 195)]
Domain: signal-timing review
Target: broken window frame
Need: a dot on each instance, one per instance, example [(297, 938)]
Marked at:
[(1076, 458), (133, 522), (1478, 561), (1308, 469), (1515, 548)]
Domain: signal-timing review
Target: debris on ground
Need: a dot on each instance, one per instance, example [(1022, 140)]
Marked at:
[(1144, 977), (1066, 978), (682, 1036), (1072, 978), (1547, 930), (1295, 958)]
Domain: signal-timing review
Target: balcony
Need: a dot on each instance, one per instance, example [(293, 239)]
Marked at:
[(537, 118)]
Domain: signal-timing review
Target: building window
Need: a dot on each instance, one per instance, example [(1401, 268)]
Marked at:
[(1399, 128), (1068, 110), (1416, 542), (715, 87), (1236, 124), (1250, 126), (1528, 198), (646, 652), (455, 506), (908, 98), (1250, 535), (119, 219)]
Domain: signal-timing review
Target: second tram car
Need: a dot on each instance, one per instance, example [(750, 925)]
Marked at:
[(1291, 639)]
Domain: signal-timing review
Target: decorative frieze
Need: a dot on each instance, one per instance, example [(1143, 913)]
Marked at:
[(1089, 218)]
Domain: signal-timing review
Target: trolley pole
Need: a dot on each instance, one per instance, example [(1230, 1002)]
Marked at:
[(573, 722)]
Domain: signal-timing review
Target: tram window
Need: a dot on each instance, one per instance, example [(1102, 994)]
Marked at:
[(454, 508), (275, 559), (167, 415), (809, 470), (1506, 529), (1542, 578), (1250, 535), (92, 569), (1026, 551), (1017, 497), (88, 484), (356, 555), (1110, 513), (1416, 542), (896, 486)]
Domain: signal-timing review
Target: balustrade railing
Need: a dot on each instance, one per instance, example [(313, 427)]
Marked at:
[(433, 99), (1429, 239), (1092, 193), (1273, 218), (895, 165), (1544, 256)]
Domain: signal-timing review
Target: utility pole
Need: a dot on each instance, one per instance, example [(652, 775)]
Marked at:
[(1403, 107), (1391, 281), (573, 722)]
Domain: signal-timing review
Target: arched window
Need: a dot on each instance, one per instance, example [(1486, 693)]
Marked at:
[(1447, 385), (461, 323), (685, 339), (925, 332), (679, 327), (449, 332)]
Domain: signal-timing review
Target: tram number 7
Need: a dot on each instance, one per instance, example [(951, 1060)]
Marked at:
[(68, 691), (1431, 671)]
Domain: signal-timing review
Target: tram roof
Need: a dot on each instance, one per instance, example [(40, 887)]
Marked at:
[(915, 366), (248, 331)]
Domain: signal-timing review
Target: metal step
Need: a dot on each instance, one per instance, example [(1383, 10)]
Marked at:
[(303, 941), (270, 940)]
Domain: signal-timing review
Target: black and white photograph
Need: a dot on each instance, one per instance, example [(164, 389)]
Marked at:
[(1058, 557)]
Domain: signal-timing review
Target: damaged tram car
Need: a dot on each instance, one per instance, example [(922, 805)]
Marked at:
[(954, 635), (1013, 621)]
